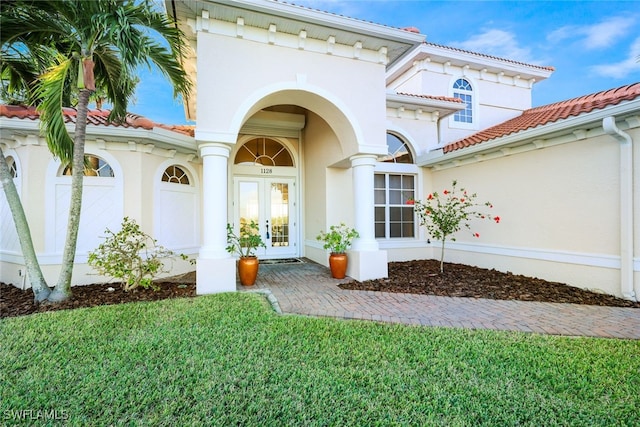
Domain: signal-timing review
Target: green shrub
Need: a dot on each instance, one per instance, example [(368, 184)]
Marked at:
[(131, 256)]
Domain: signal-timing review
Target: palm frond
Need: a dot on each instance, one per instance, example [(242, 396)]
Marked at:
[(51, 90)]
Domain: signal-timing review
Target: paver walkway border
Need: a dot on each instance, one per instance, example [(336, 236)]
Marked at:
[(308, 289)]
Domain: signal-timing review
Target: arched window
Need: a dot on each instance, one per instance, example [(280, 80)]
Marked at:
[(263, 151), (176, 175), (13, 168), (93, 166), (462, 90), (394, 192), (398, 151)]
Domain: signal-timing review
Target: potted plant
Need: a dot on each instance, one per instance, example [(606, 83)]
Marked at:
[(337, 240), (244, 246)]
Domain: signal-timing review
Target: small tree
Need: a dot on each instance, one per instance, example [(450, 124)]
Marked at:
[(131, 256), (444, 214)]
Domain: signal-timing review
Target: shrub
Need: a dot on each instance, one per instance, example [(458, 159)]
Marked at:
[(444, 214), (131, 256)]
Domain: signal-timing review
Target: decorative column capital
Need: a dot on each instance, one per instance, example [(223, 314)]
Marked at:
[(214, 149), (363, 160)]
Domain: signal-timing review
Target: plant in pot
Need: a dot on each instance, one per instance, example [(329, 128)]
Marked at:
[(337, 240), (244, 246)]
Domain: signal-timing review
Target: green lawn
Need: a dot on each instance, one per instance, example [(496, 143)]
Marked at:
[(230, 360)]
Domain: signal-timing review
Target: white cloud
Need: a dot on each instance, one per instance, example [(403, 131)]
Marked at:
[(497, 43), (596, 36), (622, 69)]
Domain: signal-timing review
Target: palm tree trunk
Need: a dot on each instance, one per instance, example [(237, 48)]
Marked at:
[(39, 286), (62, 290)]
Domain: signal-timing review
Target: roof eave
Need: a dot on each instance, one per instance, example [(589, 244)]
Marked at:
[(163, 137), (564, 126), (444, 108)]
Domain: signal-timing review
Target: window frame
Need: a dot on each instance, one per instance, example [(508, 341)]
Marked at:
[(471, 106)]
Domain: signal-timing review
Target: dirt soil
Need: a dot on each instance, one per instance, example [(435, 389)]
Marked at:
[(416, 277)]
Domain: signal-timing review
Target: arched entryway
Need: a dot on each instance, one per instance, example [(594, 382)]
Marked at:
[(264, 179)]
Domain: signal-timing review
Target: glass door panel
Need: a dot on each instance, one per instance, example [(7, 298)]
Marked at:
[(248, 202), (269, 202), (279, 214)]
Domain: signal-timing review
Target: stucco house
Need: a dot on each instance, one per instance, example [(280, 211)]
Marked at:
[(306, 119)]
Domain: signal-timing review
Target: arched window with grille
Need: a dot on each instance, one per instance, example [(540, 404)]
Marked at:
[(397, 151), (176, 207), (93, 166), (176, 175), (395, 188), (263, 151), (102, 202), (463, 90)]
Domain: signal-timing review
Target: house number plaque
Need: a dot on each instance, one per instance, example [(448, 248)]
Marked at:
[(266, 171)]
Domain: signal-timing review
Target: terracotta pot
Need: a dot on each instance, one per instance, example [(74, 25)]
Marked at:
[(248, 270), (338, 265)]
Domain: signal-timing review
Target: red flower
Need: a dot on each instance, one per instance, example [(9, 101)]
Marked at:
[(411, 202), (430, 197), (461, 200), (497, 219), (445, 192), (476, 234), (482, 216)]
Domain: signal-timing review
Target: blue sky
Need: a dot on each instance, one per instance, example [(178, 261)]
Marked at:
[(593, 45)]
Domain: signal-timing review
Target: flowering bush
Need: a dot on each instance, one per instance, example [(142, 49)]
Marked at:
[(444, 214)]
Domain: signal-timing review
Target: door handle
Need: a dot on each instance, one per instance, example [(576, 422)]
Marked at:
[(267, 230)]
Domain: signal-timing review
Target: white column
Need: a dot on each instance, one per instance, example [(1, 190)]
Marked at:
[(362, 168), (366, 260), (215, 268)]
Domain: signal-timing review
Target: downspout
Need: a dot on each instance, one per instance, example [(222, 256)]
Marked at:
[(626, 208)]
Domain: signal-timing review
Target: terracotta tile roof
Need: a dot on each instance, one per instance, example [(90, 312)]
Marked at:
[(94, 117), (454, 49), (550, 113), (437, 98)]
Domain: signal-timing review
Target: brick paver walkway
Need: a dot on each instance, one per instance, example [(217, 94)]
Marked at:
[(308, 289)]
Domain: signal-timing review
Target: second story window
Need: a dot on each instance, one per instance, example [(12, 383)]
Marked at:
[(462, 90)]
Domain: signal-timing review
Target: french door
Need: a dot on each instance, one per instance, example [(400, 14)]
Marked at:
[(270, 202)]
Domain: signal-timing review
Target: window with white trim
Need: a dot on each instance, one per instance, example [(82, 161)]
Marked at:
[(93, 166), (263, 151), (394, 213), (398, 151), (462, 90), (176, 175)]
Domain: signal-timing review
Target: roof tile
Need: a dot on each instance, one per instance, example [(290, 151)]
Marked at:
[(434, 97), (455, 49), (94, 117), (550, 113)]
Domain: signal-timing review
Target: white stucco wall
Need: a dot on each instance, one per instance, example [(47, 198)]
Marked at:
[(347, 93), (559, 209), (43, 199)]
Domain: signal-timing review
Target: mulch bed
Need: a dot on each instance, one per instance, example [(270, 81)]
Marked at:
[(416, 277), (459, 280)]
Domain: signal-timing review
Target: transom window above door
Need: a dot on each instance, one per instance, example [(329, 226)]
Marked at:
[(263, 151)]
